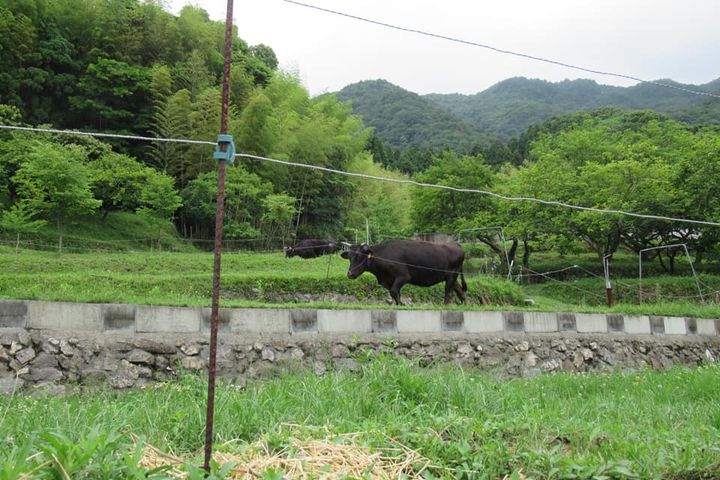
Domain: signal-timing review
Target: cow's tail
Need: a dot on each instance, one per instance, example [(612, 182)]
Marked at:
[(462, 280)]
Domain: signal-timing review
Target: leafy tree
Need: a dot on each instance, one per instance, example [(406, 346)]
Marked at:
[(159, 196), (172, 120), (244, 193), (18, 220), (193, 74), (385, 205), (608, 164), (278, 216), (265, 54), (440, 210), (55, 181), (114, 95), (123, 183)]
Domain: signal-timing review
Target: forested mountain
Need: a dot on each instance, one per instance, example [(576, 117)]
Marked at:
[(508, 108), (404, 119), (505, 110)]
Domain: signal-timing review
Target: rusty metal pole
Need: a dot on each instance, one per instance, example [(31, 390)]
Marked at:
[(219, 218)]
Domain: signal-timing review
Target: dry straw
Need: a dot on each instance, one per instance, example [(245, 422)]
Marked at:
[(329, 458)]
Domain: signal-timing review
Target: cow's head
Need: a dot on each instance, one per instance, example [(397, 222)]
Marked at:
[(358, 256), (289, 251)]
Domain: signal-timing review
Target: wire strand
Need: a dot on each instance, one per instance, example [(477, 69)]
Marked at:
[(108, 135), (475, 190), (502, 51), (565, 283), (377, 177)]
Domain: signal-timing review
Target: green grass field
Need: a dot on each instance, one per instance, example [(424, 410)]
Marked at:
[(461, 424), (269, 279), (185, 279)]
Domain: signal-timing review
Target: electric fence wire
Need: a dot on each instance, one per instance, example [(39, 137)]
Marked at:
[(119, 136), (478, 191), (502, 51), (542, 274), (377, 177), (566, 284), (75, 249)]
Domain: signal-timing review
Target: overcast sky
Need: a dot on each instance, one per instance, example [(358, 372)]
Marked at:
[(648, 39)]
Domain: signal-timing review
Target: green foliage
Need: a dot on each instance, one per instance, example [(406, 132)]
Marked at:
[(114, 95), (83, 63), (244, 194), (55, 181), (278, 216), (159, 196), (440, 210), (618, 161), (18, 220), (9, 115), (385, 205), (118, 181)]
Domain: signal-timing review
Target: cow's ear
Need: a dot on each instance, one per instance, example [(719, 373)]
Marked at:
[(365, 248), (344, 255)]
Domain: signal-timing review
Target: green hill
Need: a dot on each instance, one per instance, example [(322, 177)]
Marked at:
[(404, 119), (508, 108)]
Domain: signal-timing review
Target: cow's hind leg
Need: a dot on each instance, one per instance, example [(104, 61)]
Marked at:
[(450, 284), (460, 293)]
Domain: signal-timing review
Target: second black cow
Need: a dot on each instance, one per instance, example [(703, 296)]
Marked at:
[(312, 248), (398, 262)]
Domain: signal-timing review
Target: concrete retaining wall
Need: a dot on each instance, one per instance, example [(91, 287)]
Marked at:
[(53, 344), (112, 318)]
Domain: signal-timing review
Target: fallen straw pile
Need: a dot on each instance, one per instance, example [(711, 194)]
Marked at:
[(318, 459)]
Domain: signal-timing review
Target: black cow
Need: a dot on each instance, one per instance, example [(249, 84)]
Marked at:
[(312, 248), (397, 262)]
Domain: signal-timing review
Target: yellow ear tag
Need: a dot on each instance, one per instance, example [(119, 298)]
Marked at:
[(370, 255)]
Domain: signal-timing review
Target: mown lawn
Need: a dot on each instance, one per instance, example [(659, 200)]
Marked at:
[(459, 423)]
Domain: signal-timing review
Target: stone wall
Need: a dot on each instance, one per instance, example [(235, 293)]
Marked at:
[(58, 344)]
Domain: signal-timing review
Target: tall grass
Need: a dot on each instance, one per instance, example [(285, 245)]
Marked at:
[(469, 425)]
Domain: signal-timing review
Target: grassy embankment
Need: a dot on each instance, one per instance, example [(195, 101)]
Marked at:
[(250, 279), (119, 231), (462, 423), (265, 279)]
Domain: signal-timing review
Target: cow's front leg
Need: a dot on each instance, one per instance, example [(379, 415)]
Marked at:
[(395, 289)]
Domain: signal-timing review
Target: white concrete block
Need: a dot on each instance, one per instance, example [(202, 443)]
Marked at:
[(167, 319), (260, 320), (344, 321), (541, 322), (419, 321), (483, 322), (675, 326), (637, 325), (64, 316), (706, 327), (591, 322)]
